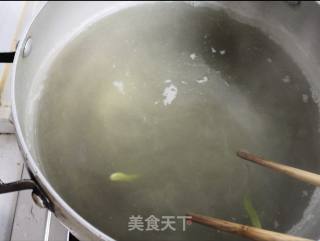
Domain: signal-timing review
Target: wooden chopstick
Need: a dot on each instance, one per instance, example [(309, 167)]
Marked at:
[(296, 173), (256, 234)]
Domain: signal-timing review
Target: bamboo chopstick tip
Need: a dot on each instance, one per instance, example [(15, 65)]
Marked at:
[(242, 153), (188, 214)]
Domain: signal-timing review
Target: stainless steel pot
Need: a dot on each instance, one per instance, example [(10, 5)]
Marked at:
[(294, 25)]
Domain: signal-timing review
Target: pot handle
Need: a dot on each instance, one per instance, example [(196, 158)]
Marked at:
[(7, 57), (25, 184), (38, 195)]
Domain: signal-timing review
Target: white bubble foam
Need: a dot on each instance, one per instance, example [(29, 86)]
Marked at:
[(170, 93), (120, 86), (203, 80), (193, 56), (286, 79)]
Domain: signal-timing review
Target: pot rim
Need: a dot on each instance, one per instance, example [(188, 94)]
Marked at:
[(57, 200)]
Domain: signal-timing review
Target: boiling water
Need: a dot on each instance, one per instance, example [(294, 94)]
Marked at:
[(170, 92)]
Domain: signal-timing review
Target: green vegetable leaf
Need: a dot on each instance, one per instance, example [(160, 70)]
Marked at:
[(252, 213), (123, 177)]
